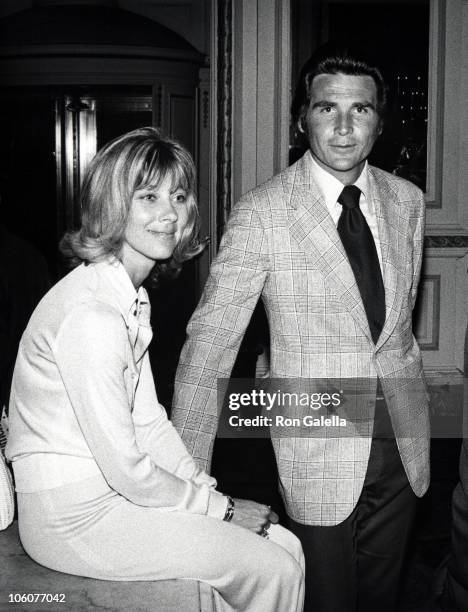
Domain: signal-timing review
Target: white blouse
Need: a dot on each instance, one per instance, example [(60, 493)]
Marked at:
[(83, 400)]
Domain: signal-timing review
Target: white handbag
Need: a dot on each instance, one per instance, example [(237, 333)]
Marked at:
[(7, 499)]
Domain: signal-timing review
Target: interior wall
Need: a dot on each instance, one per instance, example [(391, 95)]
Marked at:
[(261, 91), (262, 56), (445, 290)]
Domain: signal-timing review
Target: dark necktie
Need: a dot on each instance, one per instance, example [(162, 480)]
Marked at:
[(360, 247)]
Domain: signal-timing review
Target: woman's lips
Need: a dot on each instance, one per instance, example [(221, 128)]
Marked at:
[(162, 234)]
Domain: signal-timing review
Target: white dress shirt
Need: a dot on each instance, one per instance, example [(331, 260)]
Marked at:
[(83, 400), (331, 188)]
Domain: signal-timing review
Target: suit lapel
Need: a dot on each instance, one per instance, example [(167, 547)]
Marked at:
[(393, 228), (313, 228)]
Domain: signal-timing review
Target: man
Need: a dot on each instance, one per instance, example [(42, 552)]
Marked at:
[(333, 247), (455, 596)]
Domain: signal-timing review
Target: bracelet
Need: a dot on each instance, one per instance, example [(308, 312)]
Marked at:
[(229, 510)]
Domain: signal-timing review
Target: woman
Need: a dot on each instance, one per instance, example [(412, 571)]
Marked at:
[(106, 488)]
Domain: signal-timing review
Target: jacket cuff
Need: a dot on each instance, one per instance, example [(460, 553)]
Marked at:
[(217, 505)]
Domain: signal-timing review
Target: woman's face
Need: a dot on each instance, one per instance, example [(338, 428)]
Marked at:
[(157, 218)]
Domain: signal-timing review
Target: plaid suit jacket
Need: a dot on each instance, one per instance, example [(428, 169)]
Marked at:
[(282, 246)]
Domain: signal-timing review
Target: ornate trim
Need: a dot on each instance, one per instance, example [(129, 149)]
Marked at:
[(443, 242), (205, 108), (224, 112)]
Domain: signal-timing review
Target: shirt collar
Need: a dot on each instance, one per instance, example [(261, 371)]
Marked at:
[(363, 183), (116, 280), (330, 187)]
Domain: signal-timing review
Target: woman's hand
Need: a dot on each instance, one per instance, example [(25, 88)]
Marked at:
[(253, 516)]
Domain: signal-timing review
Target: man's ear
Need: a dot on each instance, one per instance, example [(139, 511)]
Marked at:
[(381, 126), (300, 124)]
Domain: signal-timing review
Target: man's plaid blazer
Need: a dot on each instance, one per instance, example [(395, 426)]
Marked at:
[(282, 246)]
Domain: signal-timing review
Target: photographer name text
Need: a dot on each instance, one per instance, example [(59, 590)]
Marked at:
[(279, 420)]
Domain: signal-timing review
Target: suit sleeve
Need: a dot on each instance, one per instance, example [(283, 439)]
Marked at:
[(91, 353), (216, 329), (418, 246)]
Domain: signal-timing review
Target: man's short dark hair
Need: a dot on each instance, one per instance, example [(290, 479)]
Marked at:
[(333, 58)]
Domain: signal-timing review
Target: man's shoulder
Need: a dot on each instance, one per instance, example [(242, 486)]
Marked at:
[(404, 189), (274, 184), (277, 187)]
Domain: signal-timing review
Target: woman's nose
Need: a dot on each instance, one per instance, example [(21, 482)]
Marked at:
[(168, 212)]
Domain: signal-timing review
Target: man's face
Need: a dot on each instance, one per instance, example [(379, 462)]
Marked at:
[(342, 123)]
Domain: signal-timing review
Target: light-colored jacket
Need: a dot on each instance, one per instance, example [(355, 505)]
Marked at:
[(83, 400), (281, 245)]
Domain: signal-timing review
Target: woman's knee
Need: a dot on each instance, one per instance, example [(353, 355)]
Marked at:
[(287, 540), (283, 565), (293, 572)]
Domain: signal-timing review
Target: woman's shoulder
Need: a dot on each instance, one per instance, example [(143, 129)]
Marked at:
[(76, 300), (93, 313)]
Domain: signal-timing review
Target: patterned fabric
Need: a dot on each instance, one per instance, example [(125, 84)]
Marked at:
[(7, 502), (282, 246), (3, 429)]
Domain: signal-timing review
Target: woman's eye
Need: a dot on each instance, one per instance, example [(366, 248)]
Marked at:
[(181, 198), (149, 197)]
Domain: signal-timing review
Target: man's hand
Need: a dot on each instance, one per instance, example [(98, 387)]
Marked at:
[(253, 516)]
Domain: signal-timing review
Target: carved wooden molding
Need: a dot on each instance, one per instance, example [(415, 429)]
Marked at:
[(443, 242), (435, 104), (224, 114), (445, 306)]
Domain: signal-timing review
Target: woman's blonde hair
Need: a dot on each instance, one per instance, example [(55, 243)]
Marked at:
[(138, 159)]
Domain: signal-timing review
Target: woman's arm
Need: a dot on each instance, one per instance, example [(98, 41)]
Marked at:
[(91, 354), (156, 435)]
